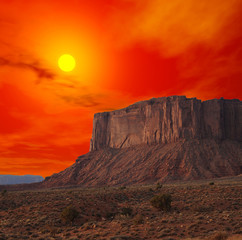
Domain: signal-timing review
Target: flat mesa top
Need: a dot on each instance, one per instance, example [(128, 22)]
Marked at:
[(162, 99)]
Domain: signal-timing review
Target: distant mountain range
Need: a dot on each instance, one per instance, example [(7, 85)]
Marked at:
[(15, 179)]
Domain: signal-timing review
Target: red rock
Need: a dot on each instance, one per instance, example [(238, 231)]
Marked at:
[(166, 120), (160, 140), (140, 164), (163, 139)]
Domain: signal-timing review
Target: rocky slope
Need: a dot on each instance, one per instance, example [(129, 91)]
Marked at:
[(160, 140), (183, 160)]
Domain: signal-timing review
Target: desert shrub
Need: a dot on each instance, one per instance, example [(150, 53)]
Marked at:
[(158, 186), (52, 230), (201, 209), (69, 214), (161, 202), (127, 211), (120, 237), (211, 183), (110, 215), (4, 192), (138, 219), (219, 236)]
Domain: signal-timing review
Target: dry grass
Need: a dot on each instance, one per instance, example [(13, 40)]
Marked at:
[(219, 236), (198, 211)]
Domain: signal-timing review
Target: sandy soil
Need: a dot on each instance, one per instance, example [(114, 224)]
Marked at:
[(199, 210)]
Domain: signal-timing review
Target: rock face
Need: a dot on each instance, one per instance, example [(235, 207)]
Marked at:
[(167, 120)]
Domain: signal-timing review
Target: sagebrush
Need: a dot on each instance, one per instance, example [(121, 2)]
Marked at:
[(162, 202)]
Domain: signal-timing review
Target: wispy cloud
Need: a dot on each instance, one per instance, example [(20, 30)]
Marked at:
[(29, 63), (204, 37), (175, 26)]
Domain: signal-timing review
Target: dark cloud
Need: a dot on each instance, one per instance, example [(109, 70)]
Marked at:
[(87, 100), (79, 95), (21, 61), (17, 57), (33, 65)]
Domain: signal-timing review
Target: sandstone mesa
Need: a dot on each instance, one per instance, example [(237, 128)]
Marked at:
[(160, 140)]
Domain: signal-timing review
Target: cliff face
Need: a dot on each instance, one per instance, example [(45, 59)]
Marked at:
[(167, 120)]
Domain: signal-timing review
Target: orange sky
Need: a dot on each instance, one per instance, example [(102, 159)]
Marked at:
[(125, 51)]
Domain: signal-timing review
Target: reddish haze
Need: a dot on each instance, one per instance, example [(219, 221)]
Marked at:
[(125, 51)]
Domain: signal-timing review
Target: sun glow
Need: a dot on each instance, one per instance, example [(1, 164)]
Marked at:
[(66, 62)]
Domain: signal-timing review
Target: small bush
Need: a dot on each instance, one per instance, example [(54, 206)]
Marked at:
[(201, 209), (138, 219), (110, 215), (4, 192), (158, 186), (126, 211), (219, 236), (52, 230), (69, 214), (162, 202)]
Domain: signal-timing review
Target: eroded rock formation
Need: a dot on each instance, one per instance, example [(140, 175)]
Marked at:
[(162, 139), (143, 164), (159, 140), (167, 120)]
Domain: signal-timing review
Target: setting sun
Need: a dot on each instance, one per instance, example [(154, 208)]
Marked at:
[(66, 62)]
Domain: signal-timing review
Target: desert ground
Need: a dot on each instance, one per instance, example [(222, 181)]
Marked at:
[(209, 209)]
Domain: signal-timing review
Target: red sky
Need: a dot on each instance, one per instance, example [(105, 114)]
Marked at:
[(125, 51)]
